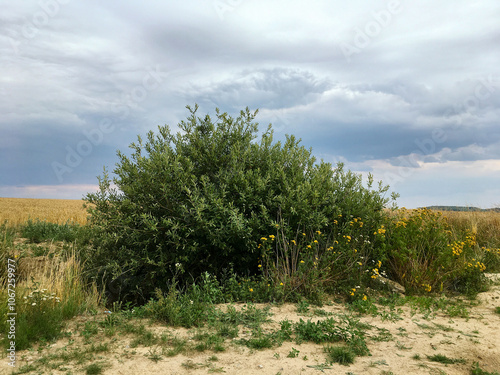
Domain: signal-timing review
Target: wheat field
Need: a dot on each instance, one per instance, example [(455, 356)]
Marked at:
[(484, 224), (16, 211)]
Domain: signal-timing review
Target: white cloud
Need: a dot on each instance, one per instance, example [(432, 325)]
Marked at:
[(48, 191)]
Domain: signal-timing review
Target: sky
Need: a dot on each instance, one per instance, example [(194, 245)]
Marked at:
[(408, 91)]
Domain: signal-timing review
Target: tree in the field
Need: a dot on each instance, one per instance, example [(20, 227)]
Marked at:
[(200, 200)]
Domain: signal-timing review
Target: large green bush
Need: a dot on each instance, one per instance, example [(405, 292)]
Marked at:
[(200, 200)]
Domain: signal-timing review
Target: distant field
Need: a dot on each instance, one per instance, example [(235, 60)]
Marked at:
[(18, 210), (486, 224)]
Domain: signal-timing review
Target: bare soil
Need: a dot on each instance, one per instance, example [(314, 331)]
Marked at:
[(414, 337)]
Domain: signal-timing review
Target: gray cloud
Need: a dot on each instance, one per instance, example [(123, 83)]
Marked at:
[(421, 81), (264, 88)]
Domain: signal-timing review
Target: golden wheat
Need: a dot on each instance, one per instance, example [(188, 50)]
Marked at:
[(18, 210)]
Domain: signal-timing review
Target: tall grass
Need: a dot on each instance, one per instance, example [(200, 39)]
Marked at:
[(37, 231), (425, 253), (50, 295), (484, 226)]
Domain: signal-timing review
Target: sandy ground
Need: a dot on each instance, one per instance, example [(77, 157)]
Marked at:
[(473, 339)]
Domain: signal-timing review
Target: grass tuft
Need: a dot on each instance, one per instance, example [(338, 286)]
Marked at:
[(340, 354), (444, 359)]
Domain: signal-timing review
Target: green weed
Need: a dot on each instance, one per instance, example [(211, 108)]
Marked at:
[(444, 359), (401, 346), (177, 309), (209, 341), (94, 369), (37, 231), (340, 354), (177, 346), (384, 335), (294, 353), (249, 315), (476, 370), (259, 340), (154, 355), (302, 307)]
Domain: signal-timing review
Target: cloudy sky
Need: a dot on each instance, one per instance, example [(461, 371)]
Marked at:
[(406, 90)]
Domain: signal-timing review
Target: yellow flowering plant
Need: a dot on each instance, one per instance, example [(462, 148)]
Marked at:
[(319, 260), (424, 254)]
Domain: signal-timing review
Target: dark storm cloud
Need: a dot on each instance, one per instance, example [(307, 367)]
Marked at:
[(377, 85)]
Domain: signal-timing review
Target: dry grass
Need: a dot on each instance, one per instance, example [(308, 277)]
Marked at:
[(484, 224), (18, 210), (62, 276)]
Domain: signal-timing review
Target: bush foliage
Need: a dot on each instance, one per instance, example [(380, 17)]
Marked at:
[(201, 200)]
